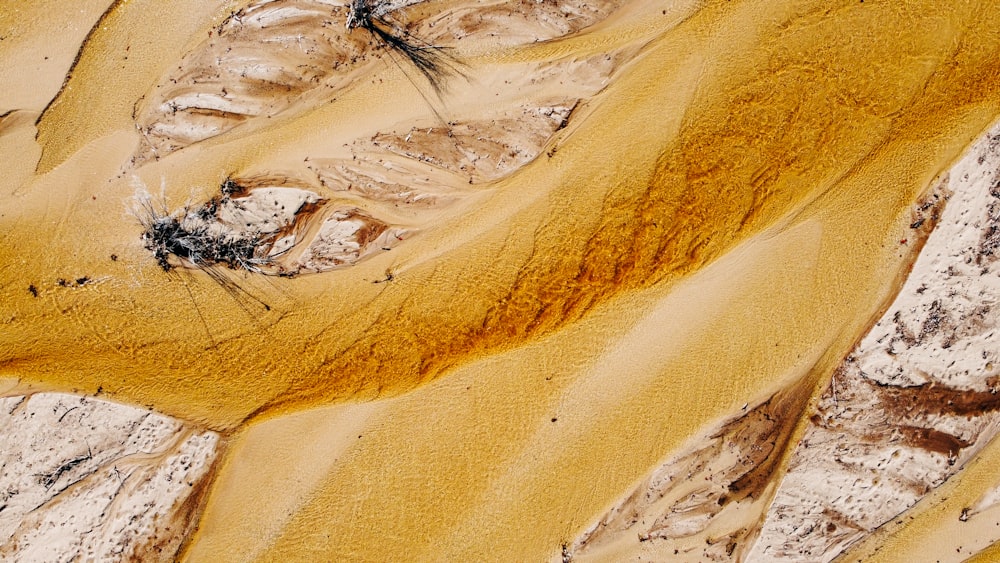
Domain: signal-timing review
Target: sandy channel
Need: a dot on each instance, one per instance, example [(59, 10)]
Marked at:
[(727, 214)]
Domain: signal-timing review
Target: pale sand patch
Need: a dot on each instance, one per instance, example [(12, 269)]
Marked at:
[(942, 526), (83, 478), (915, 400), (697, 505)]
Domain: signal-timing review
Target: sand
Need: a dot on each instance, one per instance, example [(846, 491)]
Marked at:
[(723, 210), (914, 401), (88, 479), (41, 40), (533, 284)]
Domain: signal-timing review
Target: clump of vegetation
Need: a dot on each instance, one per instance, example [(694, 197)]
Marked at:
[(167, 235), (198, 237), (432, 61)]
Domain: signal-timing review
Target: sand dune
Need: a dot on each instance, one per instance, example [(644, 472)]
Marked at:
[(509, 294)]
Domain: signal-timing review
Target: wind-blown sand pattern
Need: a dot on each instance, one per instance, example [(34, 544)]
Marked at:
[(542, 281), (908, 408)]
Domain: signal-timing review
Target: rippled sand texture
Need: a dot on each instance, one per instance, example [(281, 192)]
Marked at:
[(494, 308), (906, 410)]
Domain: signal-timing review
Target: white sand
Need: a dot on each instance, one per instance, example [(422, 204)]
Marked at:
[(914, 401), (82, 478)]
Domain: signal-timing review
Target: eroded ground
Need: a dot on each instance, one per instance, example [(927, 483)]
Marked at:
[(570, 279), (86, 479)]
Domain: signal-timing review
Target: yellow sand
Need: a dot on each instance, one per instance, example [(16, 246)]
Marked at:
[(739, 116), (729, 207), (41, 39)]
